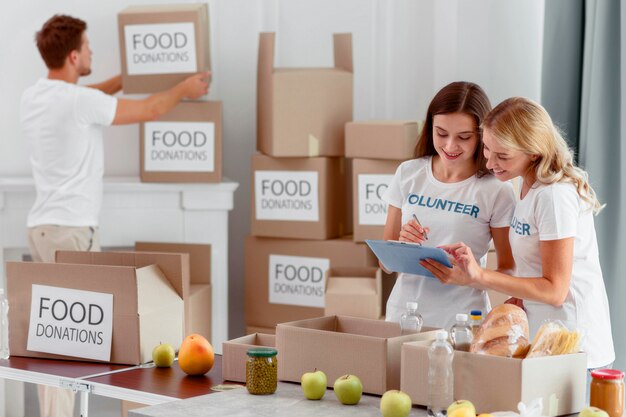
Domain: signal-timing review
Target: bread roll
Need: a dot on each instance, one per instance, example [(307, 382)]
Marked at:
[(503, 333)]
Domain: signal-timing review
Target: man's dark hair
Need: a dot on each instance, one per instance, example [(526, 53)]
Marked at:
[(59, 36)]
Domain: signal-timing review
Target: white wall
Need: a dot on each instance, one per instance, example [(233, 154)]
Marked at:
[(404, 51)]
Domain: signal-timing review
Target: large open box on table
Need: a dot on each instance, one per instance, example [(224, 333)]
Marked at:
[(340, 345)]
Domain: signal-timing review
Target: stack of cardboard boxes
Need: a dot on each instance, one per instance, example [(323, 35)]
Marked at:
[(161, 46), (300, 201)]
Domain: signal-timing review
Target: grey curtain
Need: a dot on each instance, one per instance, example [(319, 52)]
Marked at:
[(602, 147)]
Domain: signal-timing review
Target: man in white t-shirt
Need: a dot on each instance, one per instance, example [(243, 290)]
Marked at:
[(63, 123)]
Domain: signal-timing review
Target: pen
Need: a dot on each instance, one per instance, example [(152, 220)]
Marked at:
[(420, 225)]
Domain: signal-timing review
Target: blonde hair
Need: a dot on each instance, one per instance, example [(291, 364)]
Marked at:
[(521, 124)]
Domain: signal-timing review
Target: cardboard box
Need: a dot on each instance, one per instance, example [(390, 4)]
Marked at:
[(388, 139), (354, 292), (162, 45), (300, 198), (146, 307), (184, 145), (369, 182), (200, 309), (234, 354), (257, 329), (274, 294), (175, 266), (302, 111), (342, 345), (494, 383), (199, 257)]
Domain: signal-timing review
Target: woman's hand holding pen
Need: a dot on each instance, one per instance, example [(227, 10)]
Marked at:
[(413, 232)]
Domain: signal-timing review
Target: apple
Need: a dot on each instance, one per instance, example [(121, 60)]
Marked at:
[(348, 389), (593, 412), (462, 412), (395, 403), (314, 384), (485, 415), (163, 355), (461, 404)]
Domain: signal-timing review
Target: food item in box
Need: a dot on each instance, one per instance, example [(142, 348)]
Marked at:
[(553, 338), (503, 333)]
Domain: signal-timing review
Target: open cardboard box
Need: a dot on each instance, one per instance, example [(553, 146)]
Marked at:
[(382, 139), (303, 111), (234, 354), (340, 345), (494, 383), (147, 309), (352, 291)]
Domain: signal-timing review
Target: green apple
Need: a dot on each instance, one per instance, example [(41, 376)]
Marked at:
[(314, 384), (348, 389), (593, 412), (163, 355), (461, 404), (395, 403)]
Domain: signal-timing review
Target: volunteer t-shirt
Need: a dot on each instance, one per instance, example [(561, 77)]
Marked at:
[(62, 123), (556, 211), (455, 212)]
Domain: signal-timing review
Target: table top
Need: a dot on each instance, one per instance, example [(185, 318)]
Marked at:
[(54, 368), (168, 382)]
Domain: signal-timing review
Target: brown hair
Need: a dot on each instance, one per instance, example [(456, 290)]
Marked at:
[(523, 125), (457, 97), (59, 36)]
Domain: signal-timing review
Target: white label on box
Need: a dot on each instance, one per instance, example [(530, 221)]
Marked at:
[(287, 195), (372, 209), (164, 48), (179, 146), (297, 280), (71, 322)]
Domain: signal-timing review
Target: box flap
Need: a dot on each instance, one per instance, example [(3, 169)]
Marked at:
[(199, 257), (343, 51), (162, 8)]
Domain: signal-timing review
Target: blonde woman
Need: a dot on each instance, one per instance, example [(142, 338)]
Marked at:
[(552, 234)]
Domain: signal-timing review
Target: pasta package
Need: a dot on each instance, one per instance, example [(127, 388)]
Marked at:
[(554, 338)]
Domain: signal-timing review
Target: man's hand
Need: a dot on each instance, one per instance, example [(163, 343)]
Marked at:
[(197, 85)]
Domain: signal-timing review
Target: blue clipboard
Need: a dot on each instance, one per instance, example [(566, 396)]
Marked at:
[(405, 257)]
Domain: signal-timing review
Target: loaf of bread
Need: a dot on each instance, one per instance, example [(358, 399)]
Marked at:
[(503, 333)]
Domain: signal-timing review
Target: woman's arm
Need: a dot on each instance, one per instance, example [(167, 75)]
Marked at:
[(500, 236), (393, 224)]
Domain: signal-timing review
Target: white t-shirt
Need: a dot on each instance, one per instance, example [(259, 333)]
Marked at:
[(556, 211), (63, 123), (455, 212)]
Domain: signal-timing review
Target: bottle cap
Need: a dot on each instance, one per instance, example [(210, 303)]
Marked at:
[(607, 374), (441, 335), (476, 313), (262, 352), (461, 317), (411, 305)]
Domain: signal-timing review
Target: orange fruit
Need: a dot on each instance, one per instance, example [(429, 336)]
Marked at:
[(196, 355)]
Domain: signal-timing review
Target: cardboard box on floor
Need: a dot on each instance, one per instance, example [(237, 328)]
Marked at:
[(162, 45), (354, 292), (284, 278), (388, 139), (367, 348), (303, 111), (370, 179), (493, 383), (300, 198), (184, 145), (175, 266), (234, 354), (147, 309)]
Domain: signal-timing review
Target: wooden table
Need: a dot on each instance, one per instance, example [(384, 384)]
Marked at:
[(143, 384)]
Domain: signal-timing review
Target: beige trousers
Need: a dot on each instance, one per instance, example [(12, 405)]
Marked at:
[(43, 242)]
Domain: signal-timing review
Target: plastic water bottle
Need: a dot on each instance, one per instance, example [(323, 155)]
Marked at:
[(461, 333), (411, 321), (4, 326), (476, 320), (440, 376)]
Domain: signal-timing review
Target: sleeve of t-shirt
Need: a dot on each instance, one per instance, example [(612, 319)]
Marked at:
[(93, 107), (393, 195), (556, 212), (503, 206)]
